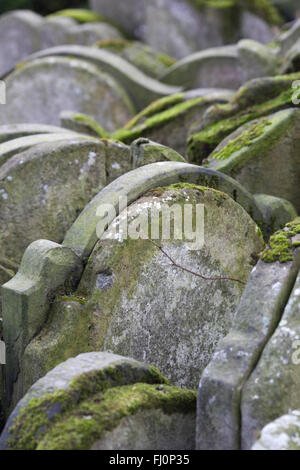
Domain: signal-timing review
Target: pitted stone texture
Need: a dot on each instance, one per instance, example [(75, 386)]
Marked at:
[(221, 385), (41, 89), (273, 387), (196, 313), (281, 434)]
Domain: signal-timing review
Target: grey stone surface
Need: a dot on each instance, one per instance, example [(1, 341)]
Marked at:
[(49, 185), (141, 88), (288, 38), (273, 387), (256, 60), (144, 152), (276, 212), (15, 131), (221, 385), (151, 429), (19, 37), (132, 315), (39, 90), (82, 236), (269, 163), (216, 67), (281, 434), (103, 365), (44, 268), (15, 146), (87, 34)]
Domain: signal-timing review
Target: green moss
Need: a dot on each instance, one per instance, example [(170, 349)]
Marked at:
[(104, 412), (72, 298), (92, 124), (281, 246), (201, 144), (253, 132), (80, 15), (151, 118), (113, 45), (40, 414), (262, 8)]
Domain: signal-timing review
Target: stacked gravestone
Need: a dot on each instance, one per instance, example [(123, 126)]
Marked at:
[(127, 405)]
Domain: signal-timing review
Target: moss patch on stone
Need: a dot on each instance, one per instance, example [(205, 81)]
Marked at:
[(40, 414), (80, 15), (254, 131), (281, 246), (92, 124), (155, 115), (104, 412), (201, 144)]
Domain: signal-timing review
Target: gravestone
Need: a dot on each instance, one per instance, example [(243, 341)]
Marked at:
[(162, 417), (167, 121), (263, 155), (124, 278), (64, 83), (31, 304), (19, 37), (220, 418), (273, 388)]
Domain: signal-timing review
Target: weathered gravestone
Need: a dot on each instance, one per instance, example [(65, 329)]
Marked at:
[(281, 434), (263, 155), (168, 120), (26, 297), (14, 131), (26, 32), (273, 387), (144, 57), (141, 88), (256, 98), (266, 300), (102, 401), (19, 37), (39, 90), (196, 25)]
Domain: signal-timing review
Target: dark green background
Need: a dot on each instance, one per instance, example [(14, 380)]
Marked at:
[(41, 6)]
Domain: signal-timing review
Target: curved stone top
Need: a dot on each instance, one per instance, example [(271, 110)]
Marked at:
[(82, 235), (8, 149), (141, 88), (62, 377), (190, 65), (14, 131)]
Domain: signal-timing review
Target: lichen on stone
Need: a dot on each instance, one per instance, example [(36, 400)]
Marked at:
[(80, 15), (281, 246)]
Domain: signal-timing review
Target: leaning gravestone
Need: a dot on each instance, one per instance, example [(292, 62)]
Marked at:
[(126, 404), (168, 120), (141, 88), (263, 155), (220, 412), (273, 388), (39, 90), (14, 131), (30, 304), (123, 279)]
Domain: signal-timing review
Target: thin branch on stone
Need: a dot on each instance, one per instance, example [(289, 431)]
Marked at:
[(193, 272), (7, 271)]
